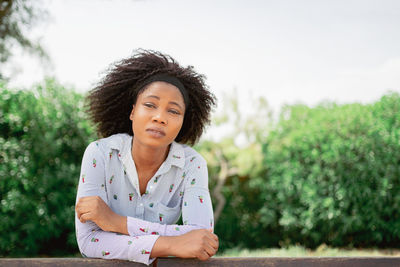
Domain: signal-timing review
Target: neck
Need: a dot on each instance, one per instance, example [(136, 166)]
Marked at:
[(148, 158)]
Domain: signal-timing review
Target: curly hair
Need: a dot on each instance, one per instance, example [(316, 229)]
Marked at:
[(109, 104)]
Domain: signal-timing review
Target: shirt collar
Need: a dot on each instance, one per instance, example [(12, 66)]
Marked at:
[(119, 142), (176, 155)]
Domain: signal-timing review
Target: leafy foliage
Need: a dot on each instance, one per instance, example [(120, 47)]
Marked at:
[(43, 134), (239, 152), (328, 174), (333, 175)]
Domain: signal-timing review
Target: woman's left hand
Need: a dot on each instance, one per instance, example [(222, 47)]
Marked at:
[(96, 210)]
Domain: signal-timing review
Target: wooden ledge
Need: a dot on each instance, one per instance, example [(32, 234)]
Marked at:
[(229, 261)]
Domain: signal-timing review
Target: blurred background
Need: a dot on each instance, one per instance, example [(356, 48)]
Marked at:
[(303, 150)]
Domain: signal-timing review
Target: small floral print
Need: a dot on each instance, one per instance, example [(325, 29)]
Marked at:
[(198, 167), (144, 230), (111, 179), (171, 187), (147, 192), (130, 196), (94, 240), (94, 163), (97, 144), (183, 175), (181, 193), (161, 216), (176, 157), (119, 155), (145, 251), (105, 253), (83, 178), (129, 242), (192, 159), (155, 233), (115, 197), (110, 154), (156, 179), (185, 204), (177, 229), (151, 204), (201, 199), (102, 185), (193, 181)]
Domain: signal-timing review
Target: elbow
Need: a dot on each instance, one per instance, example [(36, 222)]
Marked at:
[(82, 245), (83, 241)]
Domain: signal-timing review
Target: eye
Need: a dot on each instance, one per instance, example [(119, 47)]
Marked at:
[(149, 105), (175, 112)]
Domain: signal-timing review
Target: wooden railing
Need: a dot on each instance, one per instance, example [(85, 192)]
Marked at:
[(231, 262)]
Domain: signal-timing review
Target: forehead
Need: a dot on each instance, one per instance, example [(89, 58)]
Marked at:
[(163, 90)]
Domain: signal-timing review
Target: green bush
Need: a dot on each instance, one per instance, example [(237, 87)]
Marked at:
[(328, 174), (333, 175), (43, 134)]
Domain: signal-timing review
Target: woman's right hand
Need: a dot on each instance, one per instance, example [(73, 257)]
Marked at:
[(201, 244)]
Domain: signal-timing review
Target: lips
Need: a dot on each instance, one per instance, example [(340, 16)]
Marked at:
[(155, 132)]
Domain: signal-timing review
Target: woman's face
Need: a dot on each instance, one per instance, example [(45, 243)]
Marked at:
[(157, 116)]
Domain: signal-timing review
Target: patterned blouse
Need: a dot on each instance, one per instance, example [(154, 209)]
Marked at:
[(180, 185)]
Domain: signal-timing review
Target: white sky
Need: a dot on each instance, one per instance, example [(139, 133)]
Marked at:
[(288, 51)]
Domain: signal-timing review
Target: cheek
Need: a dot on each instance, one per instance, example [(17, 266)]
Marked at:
[(177, 125)]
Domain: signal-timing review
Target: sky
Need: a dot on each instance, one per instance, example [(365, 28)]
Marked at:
[(287, 51)]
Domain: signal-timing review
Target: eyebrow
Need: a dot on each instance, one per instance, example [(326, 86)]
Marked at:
[(170, 102)]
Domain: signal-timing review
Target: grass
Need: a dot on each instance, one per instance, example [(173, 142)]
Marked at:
[(321, 251)]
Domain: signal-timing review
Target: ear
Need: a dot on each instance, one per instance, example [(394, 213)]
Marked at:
[(132, 112)]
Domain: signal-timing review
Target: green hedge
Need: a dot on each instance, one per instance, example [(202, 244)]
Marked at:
[(43, 134), (333, 175), (329, 174)]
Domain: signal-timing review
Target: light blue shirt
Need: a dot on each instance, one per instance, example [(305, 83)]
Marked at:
[(180, 185)]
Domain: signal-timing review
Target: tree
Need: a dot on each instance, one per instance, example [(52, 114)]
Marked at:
[(234, 163), (17, 18)]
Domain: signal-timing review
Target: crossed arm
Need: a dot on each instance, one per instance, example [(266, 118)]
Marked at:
[(200, 243), (102, 233)]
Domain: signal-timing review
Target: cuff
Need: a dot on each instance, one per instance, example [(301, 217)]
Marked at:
[(142, 250)]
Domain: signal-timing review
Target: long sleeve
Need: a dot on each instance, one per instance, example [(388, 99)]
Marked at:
[(197, 207), (138, 227), (94, 242)]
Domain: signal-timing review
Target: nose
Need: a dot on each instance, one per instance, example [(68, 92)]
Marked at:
[(160, 118)]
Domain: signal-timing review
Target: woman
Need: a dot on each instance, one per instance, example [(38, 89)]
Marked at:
[(138, 179)]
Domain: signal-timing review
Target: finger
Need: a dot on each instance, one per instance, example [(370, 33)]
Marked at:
[(203, 256), (210, 250), (212, 238), (88, 199), (84, 217), (213, 243), (81, 209), (78, 210), (212, 235), (215, 237)]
